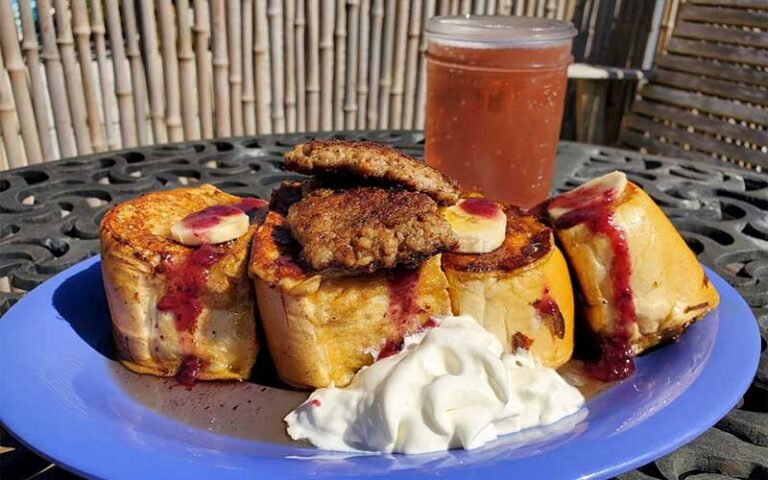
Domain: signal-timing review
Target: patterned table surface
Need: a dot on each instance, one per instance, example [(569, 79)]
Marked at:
[(49, 217)]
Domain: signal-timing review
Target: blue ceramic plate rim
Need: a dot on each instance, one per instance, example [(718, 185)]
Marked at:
[(43, 413)]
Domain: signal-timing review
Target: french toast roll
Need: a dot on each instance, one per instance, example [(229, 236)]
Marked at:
[(521, 291), (179, 310), (641, 283), (323, 326)]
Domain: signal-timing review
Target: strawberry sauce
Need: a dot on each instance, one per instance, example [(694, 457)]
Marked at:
[(403, 303), (189, 371), (550, 314), (590, 206), (209, 217), (480, 207), (185, 285)]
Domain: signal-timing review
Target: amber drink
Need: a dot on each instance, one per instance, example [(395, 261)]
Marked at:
[(495, 94)]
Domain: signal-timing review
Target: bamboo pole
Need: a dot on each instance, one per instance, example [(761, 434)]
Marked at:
[(328, 17), (31, 51), (54, 73), (154, 71), (262, 64), (82, 31), (301, 96), (203, 66), (505, 7), (189, 111), (234, 39), (170, 71), (412, 64), (249, 98), (387, 67), (377, 23), (479, 7), (313, 65), (289, 53), (14, 150), (72, 77), (465, 7), (339, 64), (275, 15), (123, 87), (519, 5), (398, 78), (491, 8), (3, 166), (99, 41), (137, 69), (362, 73), (421, 89), (220, 68), (353, 41), (14, 64)]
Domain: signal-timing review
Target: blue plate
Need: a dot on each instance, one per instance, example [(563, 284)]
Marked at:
[(65, 398)]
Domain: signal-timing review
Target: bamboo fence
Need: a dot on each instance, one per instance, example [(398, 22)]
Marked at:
[(83, 76)]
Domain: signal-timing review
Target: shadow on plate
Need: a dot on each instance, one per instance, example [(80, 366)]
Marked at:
[(81, 302)]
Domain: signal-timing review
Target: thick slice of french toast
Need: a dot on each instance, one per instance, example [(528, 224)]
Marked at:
[(640, 282), (322, 327), (521, 292), (176, 309)]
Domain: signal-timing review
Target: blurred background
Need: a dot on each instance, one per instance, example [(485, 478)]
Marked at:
[(84, 76)]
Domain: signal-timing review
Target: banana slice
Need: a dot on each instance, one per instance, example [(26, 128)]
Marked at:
[(592, 193), (216, 224), (479, 224)]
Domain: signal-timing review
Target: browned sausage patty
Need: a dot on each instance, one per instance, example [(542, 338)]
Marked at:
[(368, 228), (371, 162)]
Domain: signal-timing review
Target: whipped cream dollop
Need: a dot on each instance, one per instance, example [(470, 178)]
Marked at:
[(451, 386)]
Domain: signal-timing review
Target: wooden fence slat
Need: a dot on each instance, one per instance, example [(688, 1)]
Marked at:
[(31, 50), (724, 16), (168, 39), (14, 64), (701, 142), (220, 69), (123, 85), (725, 71), (717, 106), (140, 88), (203, 68), (700, 122), (54, 72), (712, 86), (734, 3), (187, 73), (701, 31), (654, 146), (154, 71), (727, 53), (234, 44), (249, 83)]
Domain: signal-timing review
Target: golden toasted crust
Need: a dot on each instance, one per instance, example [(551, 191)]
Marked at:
[(138, 255), (526, 241), (368, 228), (321, 327), (669, 288), (371, 161)]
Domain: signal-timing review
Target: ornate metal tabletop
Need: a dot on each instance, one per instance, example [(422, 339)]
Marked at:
[(49, 217)]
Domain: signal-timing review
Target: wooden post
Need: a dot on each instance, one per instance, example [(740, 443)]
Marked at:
[(203, 66), (234, 39), (249, 98), (137, 69), (263, 66), (107, 92), (189, 111), (82, 31), (170, 71), (18, 77), (39, 93), (220, 67), (54, 73)]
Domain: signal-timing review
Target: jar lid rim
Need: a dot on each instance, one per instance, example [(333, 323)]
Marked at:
[(499, 30)]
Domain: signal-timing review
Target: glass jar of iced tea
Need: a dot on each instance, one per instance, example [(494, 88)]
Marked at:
[(495, 95)]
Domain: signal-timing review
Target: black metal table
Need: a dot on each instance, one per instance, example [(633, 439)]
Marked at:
[(49, 218)]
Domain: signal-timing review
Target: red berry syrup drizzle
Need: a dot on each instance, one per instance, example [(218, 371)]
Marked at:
[(590, 206)]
